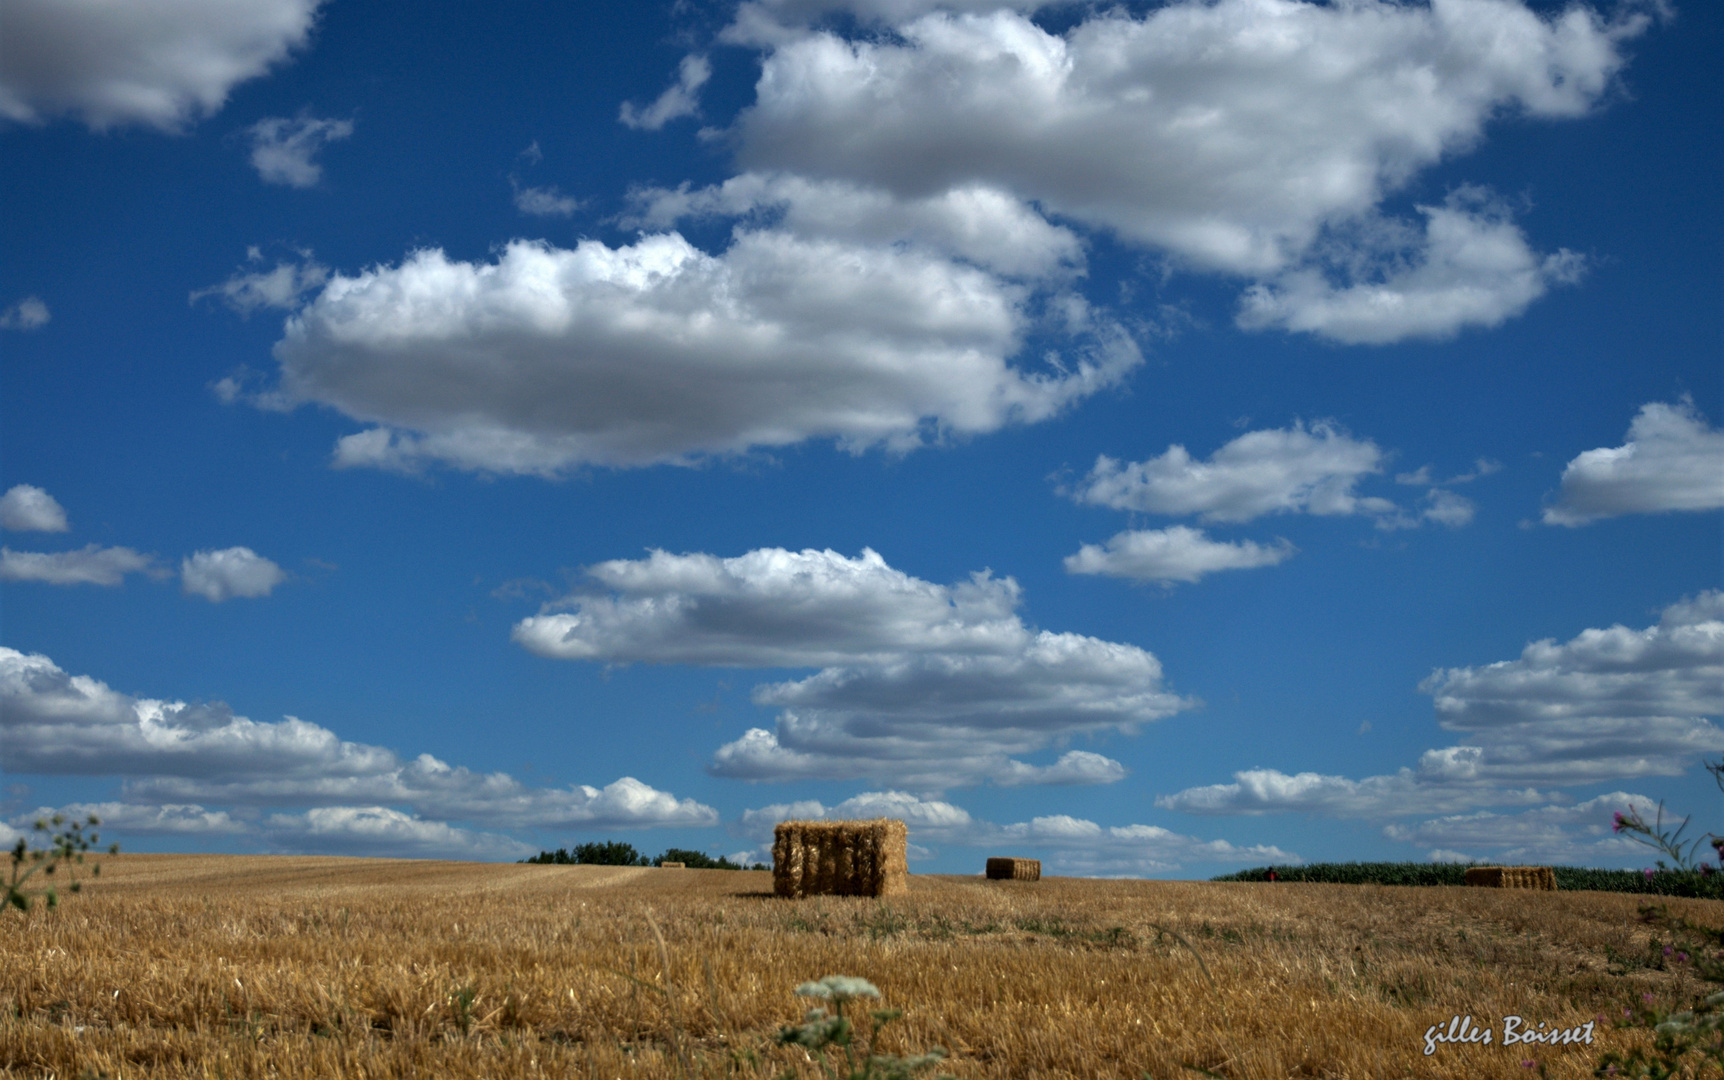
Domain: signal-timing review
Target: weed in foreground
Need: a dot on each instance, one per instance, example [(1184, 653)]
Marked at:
[(67, 845), (821, 1030)]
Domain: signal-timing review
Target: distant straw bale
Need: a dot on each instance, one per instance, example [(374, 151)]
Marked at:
[(1513, 877), (1005, 869), (672, 865), (840, 858)]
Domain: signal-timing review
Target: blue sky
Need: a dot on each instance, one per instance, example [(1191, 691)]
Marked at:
[(1159, 439)]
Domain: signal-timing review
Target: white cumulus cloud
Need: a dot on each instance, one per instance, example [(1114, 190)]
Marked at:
[(89, 565), (654, 352), (27, 508), (1472, 267), (1255, 137), (1174, 554), (1616, 703), (174, 753), (230, 572), (1671, 460), (282, 149), (162, 63), (1297, 469), (926, 684)]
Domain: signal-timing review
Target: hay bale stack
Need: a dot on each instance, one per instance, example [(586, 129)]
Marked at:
[(672, 865), (840, 858), (1513, 877), (1001, 869)]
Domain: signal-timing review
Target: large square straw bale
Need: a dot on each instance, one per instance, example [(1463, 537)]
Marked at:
[(840, 858), (1005, 869), (1513, 877)]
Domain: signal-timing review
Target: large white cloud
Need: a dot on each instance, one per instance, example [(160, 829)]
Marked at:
[(927, 685), (1607, 704), (1297, 469), (229, 572), (655, 351), (91, 564), (1169, 555), (160, 63), (175, 753), (1255, 137), (27, 508), (1070, 845), (1671, 460)]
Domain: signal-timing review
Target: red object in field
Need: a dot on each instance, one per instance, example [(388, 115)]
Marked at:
[(1271, 875)]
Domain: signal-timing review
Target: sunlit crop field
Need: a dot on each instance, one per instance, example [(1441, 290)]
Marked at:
[(207, 966)]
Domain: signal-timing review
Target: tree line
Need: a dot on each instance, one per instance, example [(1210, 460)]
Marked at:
[(616, 853)]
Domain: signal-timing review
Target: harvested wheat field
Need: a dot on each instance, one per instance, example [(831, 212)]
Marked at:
[(229, 966)]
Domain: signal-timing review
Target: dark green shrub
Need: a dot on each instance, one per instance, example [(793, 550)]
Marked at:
[(1686, 883)]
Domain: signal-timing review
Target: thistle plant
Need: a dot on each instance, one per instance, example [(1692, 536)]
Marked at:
[(1684, 855), (66, 846), (821, 1030)]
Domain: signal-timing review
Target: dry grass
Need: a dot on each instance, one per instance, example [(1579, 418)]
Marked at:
[(206, 966)]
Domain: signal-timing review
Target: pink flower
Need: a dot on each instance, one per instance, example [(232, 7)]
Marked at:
[(1648, 873), (1617, 827)]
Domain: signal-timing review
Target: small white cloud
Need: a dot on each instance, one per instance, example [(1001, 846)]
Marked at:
[(1672, 460), (1174, 554), (1297, 469), (281, 287), (160, 64), (89, 565), (29, 313), (230, 572), (1472, 267), (170, 819), (545, 202), (681, 99), (1073, 767), (1447, 508), (26, 508), (282, 149)]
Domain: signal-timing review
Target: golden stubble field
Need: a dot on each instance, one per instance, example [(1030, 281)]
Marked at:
[(278, 966)]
